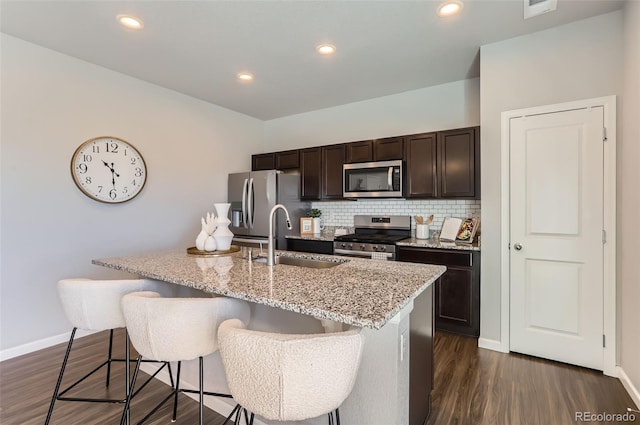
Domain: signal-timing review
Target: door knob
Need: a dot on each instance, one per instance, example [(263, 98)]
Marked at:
[(517, 246)]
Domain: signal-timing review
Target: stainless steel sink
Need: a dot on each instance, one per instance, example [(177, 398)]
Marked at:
[(304, 262)]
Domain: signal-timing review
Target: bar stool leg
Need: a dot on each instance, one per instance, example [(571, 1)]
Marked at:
[(127, 404), (109, 357), (201, 391), (177, 391), (57, 389)]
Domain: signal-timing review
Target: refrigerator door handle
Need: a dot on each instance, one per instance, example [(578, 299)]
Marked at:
[(245, 192), (250, 196)]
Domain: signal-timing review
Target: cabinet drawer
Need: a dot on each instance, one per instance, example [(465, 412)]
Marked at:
[(436, 256)]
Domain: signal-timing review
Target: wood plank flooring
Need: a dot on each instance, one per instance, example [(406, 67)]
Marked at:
[(477, 387), (27, 382), (472, 387)]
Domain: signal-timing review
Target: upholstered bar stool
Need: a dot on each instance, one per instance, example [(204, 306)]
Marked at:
[(176, 330), (286, 377), (94, 305)]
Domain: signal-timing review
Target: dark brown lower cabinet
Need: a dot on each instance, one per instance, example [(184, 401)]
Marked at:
[(457, 292)]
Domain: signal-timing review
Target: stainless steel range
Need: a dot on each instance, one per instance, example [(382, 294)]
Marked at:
[(375, 236)]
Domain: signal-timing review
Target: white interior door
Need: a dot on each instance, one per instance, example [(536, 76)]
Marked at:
[(556, 229)]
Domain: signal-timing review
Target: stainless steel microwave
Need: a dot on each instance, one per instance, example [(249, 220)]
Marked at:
[(373, 180)]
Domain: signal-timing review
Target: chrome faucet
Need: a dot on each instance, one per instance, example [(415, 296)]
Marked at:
[(271, 251)]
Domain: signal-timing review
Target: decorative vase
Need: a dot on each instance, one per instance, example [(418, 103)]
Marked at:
[(210, 244), (317, 225), (202, 237), (223, 235)]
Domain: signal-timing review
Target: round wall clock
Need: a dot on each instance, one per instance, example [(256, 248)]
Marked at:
[(108, 169)]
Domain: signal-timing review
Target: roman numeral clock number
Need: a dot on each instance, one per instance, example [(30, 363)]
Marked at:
[(101, 168)]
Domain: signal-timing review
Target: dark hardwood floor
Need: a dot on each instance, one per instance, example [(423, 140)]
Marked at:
[(472, 387), (27, 382), (475, 386)]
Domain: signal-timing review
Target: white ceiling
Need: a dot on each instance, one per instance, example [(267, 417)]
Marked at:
[(198, 47)]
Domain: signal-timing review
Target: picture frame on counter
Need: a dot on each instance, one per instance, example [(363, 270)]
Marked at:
[(306, 226)]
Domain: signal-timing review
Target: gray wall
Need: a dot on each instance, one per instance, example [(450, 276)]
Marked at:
[(575, 61), (51, 103), (442, 107), (629, 201)]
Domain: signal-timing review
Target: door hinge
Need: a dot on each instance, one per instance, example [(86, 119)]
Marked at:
[(604, 236), (603, 341), (604, 134)]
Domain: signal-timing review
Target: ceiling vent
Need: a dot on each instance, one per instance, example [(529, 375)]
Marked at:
[(538, 7)]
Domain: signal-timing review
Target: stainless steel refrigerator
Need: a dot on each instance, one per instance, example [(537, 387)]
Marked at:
[(253, 194)]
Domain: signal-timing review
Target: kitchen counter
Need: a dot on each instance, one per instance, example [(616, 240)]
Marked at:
[(437, 244), (393, 301), (329, 236), (358, 292)]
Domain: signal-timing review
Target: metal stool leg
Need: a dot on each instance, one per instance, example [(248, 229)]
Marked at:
[(201, 392), (127, 404), (57, 388), (109, 357), (177, 390)]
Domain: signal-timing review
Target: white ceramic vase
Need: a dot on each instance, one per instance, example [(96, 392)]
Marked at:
[(223, 235), (317, 225)]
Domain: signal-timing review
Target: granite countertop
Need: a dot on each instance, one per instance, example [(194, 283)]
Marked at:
[(359, 292), (436, 243), (418, 243)]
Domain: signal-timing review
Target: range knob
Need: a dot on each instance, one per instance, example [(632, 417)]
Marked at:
[(350, 246), (343, 245), (363, 247), (383, 248)]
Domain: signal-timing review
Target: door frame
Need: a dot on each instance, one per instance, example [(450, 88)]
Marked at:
[(609, 253)]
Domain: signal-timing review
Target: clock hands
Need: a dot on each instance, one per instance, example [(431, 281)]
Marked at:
[(113, 173)]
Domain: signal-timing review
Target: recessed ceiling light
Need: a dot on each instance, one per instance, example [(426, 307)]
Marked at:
[(245, 76), (450, 8), (326, 49), (130, 22)]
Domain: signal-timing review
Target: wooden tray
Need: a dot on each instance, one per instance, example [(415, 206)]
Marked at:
[(196, 252)]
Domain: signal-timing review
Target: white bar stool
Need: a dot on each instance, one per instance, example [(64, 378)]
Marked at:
[(177, 329), (286, 377), (94, 305)]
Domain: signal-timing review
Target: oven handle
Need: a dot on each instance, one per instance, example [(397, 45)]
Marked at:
[(359, 253)]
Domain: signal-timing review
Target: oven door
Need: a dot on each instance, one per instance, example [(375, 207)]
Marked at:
[(373, 180)]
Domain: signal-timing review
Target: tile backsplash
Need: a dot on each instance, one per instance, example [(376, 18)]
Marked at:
[(340, 213)]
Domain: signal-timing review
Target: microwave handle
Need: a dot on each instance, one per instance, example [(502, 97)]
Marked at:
[(390, 179)]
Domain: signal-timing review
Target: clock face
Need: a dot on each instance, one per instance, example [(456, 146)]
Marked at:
[(108, 169)]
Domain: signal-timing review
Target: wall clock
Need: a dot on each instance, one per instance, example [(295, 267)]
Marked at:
[(108, 169)]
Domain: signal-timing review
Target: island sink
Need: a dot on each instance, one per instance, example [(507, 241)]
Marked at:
[(303, 262)]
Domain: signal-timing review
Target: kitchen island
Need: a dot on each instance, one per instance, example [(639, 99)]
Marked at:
[(393, 300)]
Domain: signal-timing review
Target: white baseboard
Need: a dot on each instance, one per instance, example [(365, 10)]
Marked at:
[(223, 406), (628, 385), (30, 347), (492, 344)]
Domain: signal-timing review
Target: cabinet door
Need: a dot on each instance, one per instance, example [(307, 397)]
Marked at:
[(388, 149), (454, 307), (332, 161), (287, 160), (420, 156), (310, 173), (458, 163), (360, 151), (263, 161)]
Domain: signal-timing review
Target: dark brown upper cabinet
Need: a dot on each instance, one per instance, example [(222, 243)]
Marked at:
[(359, 151), (263, 161), (332, 160), (287, 160), (459, 163), (388, 149), (310, 173), (421, 161)]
